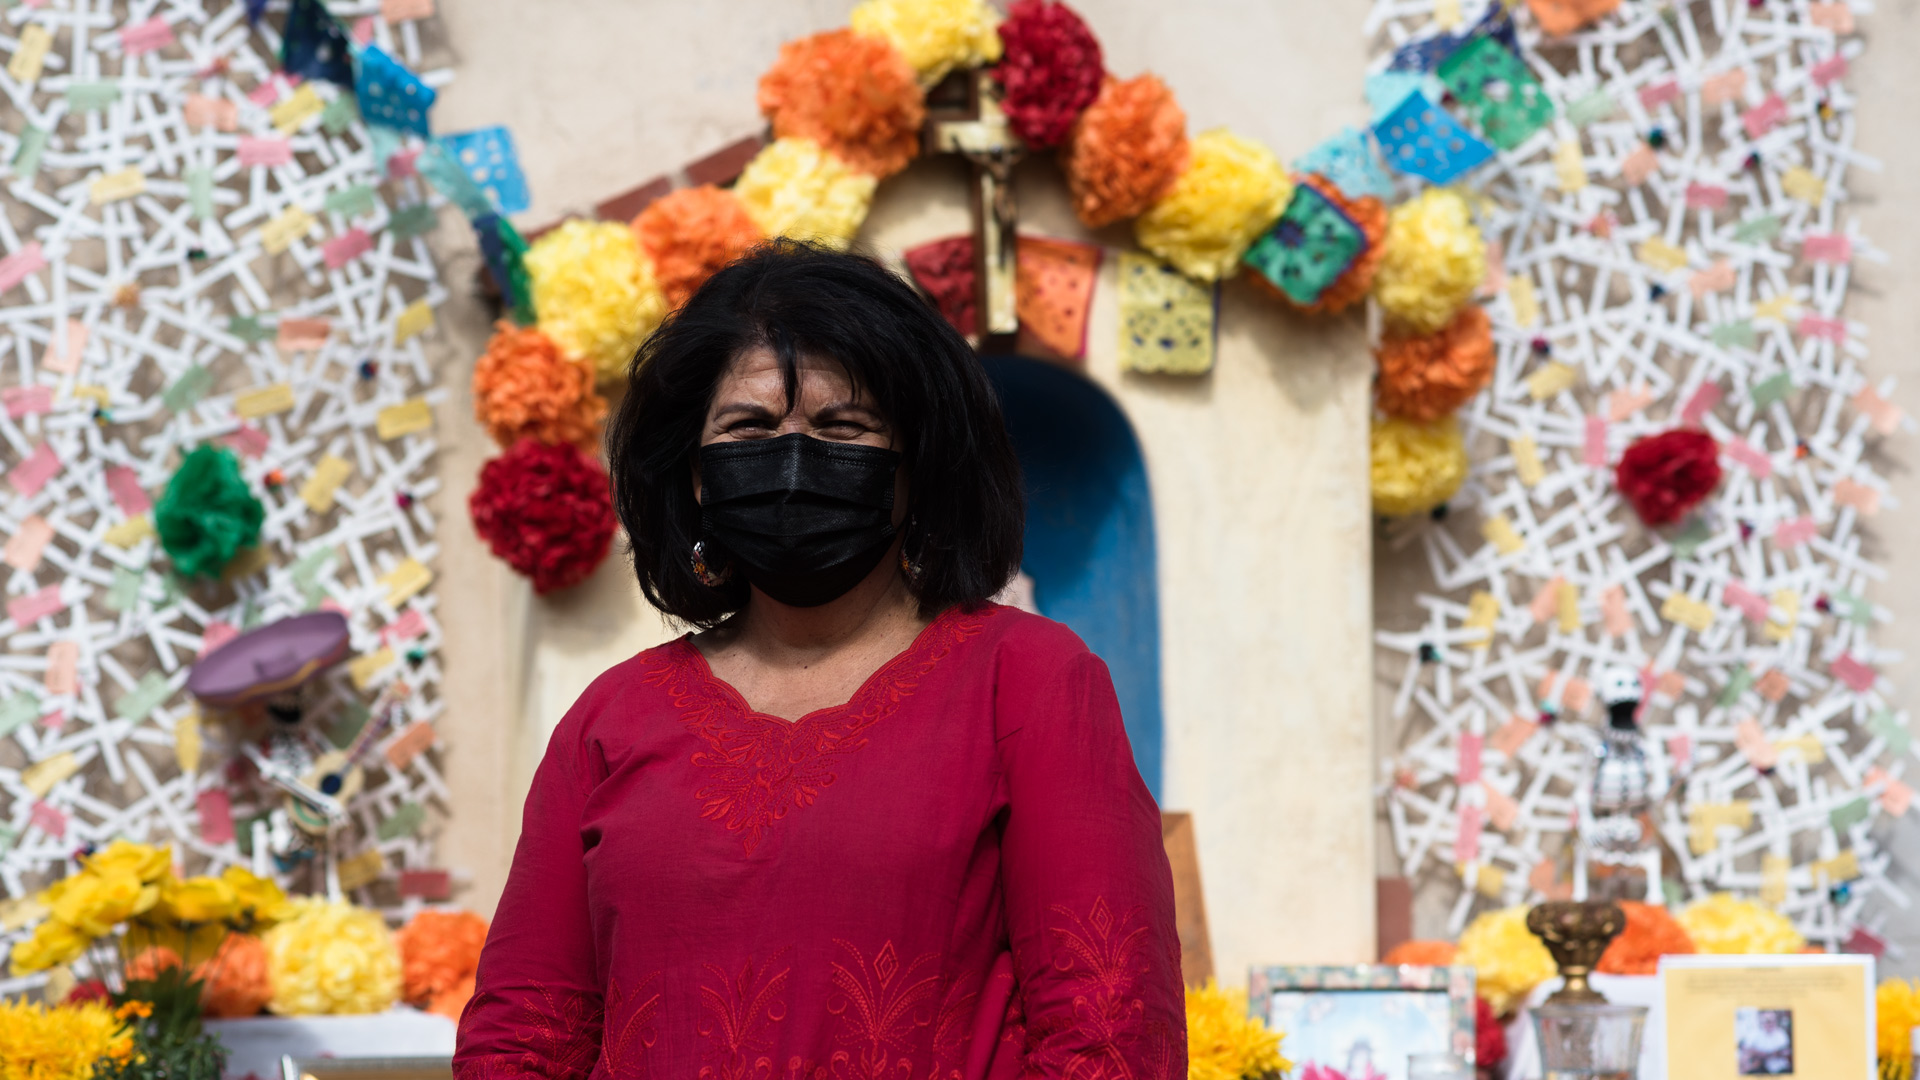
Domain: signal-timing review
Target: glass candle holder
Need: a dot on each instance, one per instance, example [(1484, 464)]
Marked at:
[(1437, 1067), (1589, 1042)]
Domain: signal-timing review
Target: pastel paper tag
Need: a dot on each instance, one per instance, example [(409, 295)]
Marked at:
[(216, 634), (1750, 603), (1827, 248), (1789, 534), (1502, 811), (1832, 69), (201, 111), (31, 475), (294, 335), (1513, 735), (247, 441), (1724, 87), (411, 624), (1862, 497), (1466, 845), (15, 268), (265, 150), (1763, 117), (48, 819), (144, 37), (1637, 166), (1855, 674), (413, 320), (411, 743), (1820, 326), (345, 248), (407, 418), (1595, 445), (31, 608), (216, 816), (124, 485), (1884, 415), (115, 186), (1717, 278), (1701, 402), (27, 400), (1706, 197), (28, 543), (63, 668), (1613, 611), (430, 885), (1755, 462), (1836, 16), (1660, 93), (1753, 745), (289, 225), (1468, 771), (76, 344)]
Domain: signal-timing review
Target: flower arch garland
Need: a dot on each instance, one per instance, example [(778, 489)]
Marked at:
[(845, 108)]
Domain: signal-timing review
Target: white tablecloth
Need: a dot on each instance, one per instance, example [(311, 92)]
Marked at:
[(255, 1045)]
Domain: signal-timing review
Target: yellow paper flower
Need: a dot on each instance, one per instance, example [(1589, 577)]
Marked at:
[(935, 36), (1416, 467), (1726, 924), (595, 295), (143, 861), (61, 1043), (1434, 259), (331, 959), (1223, 1042), (53, 942), (258, 902), (1232, 190), (1507, 959), (94, 904), (1896, 1013), (795, 189), (196, 901)]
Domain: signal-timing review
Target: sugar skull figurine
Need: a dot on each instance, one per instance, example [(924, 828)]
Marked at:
[(1627, 780)]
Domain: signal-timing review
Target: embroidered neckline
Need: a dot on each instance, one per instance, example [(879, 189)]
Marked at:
[(760, 766)]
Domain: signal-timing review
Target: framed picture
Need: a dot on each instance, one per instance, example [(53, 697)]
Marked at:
[(1808, 1017), (1363, 1020)]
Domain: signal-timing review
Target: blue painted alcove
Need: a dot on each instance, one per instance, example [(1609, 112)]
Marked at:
[(1089, 543)]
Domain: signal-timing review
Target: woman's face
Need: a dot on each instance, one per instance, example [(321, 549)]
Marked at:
[(751, 403)]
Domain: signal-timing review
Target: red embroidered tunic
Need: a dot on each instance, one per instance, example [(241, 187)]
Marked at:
[(956, 875)]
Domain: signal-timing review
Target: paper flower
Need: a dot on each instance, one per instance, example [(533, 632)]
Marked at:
[(452, 1001), (1508, 960), (1896, 1013), (1125, 151), (1352, 286), (853, 94), (1224, 1042), (593, 292), (1652, 932), (1422, 953), (331, 959), (64, 1042), (438, 950), (1416, 467), (195, 901), (95, 903), (147, 964), (53, 943), (235, 977), (1663, 476), (1231, 190), (1434, 259), (793, 188), (207, 514), (935, 36), (546, 511), (525, 388), (1727, 925), (258, 902), (144, 862), (690, 234), (1052, 70), (1425, 377)]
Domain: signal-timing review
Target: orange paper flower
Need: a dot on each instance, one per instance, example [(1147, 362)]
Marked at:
[(438, 950), (236, 978), (452, 1001), (148, 963), (525, 387), (1422, 953), (692, 233), (854, 95), (1427, 377), (1126, 150), (1652, 932)]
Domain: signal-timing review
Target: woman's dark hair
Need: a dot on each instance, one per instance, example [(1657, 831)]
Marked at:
[(965, 511)]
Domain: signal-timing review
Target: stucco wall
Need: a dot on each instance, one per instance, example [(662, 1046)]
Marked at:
[(1258, 472)]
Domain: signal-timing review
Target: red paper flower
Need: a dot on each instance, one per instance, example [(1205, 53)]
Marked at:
[(1051, 70), (853, 94), (1489, 1038), (87, 990), (546, 511), (1663, 476)]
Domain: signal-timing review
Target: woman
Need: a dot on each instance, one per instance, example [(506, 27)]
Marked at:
[(864, 823)]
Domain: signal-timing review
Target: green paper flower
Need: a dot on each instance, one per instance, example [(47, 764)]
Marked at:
[(207, 514)]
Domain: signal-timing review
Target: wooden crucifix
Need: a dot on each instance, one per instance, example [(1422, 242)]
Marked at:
[(964, 117)]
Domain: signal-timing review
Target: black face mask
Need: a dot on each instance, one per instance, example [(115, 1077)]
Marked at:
[(805, 519)]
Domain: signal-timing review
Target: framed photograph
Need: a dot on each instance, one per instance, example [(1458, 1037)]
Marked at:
[(1363, 1020), (1808, 1017)]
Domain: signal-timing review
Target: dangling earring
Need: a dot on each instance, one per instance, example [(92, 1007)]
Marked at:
[(915, 573), (706, 575)]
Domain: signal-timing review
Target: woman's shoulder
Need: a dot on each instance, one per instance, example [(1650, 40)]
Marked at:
[(651, 678), (1021, 638)]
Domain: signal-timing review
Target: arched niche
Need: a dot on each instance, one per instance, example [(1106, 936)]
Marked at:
[(1090, 540)]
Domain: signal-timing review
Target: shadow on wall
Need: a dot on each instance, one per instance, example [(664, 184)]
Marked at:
[(1089, 542)]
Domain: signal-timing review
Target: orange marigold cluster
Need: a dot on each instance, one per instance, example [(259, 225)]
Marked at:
[(1427, 377), (1126, 150), (439, 952), (854, 95), (1651, 933), (525, 387), (692, 233), (1422, 953), (236, 978)]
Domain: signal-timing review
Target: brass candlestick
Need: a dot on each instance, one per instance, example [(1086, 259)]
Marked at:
[(1576, 933)]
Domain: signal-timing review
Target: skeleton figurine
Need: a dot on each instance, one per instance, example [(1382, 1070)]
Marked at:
[(1629, 780)]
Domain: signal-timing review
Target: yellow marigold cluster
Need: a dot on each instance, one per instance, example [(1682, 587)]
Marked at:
[(1224, 1042), (935, 36), (67, 1042), (1416, 467), (1896, 1010), (1507, 959), (1726, 924), (1434, 260), (795, 189), (595, 295), (329, 958), (119, 883), (1232, 189)]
